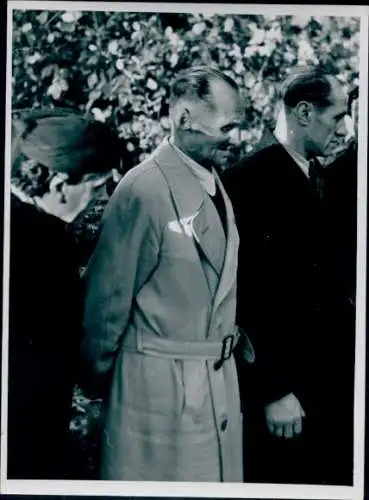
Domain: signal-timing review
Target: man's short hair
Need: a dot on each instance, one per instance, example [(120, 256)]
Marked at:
[(311, 84), (195, 83)]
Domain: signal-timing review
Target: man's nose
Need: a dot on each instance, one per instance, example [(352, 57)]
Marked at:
[(349, 125), (234, 136), (342, 128)]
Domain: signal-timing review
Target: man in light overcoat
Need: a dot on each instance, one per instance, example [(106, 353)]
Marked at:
[(161, 296)]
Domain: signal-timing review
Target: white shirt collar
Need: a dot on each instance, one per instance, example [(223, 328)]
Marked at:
[(297, 157), (206, 178)]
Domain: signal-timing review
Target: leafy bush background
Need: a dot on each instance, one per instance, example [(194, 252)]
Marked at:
[(118, 66)]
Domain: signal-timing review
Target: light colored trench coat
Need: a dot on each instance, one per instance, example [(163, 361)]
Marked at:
[(161, 296)]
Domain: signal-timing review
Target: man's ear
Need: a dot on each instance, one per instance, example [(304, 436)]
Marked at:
[(185, 121), (304, 112)]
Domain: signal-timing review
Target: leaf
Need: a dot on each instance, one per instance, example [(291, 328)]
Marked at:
[(300, 21), (174, 59), (119, 64), (47, 71), (113, 47), (55, 90), (228, 25), (92, 80), (26, 27), (33, 58), (63, 84), (199, 28), (51, 37), (43, 17), (165, 123), (68, 27), (70, 17), (151, 84), (239, 68), (98, 114), (305, 52), (257, 37)]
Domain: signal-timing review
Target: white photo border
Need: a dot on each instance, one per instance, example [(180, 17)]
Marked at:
[(207, 490)]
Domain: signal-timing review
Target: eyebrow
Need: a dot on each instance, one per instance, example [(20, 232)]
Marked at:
[(233, 124), (341, 115)]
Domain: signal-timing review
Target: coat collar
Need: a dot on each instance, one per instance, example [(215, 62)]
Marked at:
[(191, 200), (205, 176), (288, 166), (189, 197)]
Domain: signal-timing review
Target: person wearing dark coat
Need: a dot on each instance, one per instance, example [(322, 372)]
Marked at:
[(45, 292), (340, 199), (44, 334), (294, 305)]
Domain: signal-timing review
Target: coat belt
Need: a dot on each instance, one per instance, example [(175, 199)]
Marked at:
[(147, 343)]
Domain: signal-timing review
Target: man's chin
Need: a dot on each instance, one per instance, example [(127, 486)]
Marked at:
[(337, 150), (225, 159)]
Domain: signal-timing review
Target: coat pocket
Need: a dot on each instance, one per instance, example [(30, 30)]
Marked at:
[(197, 409)]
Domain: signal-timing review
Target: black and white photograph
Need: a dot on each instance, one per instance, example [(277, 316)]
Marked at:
[(185, 250)]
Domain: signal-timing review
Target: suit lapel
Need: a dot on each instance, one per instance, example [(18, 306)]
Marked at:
[(298, 186), (193, 206)]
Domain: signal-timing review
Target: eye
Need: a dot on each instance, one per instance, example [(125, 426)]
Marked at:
[(228, 128)]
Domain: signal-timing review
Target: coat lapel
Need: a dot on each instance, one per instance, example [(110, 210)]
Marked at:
[(229, 268), (193, 208), (297, 185)]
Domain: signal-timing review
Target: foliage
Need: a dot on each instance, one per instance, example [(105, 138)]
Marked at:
[(118, 65)]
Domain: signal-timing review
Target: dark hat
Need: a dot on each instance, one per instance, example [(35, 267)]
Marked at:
[(66, 141)]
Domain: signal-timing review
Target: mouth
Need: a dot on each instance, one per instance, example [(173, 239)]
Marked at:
[(223, 148)]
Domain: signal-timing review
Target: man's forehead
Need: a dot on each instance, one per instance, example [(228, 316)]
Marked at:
[(338, 94), (226, 98)]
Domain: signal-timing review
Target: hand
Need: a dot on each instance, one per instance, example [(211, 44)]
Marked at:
[(284, 417)]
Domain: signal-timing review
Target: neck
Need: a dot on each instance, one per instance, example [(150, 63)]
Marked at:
[(178, 143), (289, 135), (181, 146)]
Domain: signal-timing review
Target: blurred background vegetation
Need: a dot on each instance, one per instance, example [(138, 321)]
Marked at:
[(118, 66)]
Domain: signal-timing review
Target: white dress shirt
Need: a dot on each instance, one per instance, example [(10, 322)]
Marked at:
[(302, 162)]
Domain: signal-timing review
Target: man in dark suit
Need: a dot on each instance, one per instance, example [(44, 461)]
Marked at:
[(340, 199), (291, 300)]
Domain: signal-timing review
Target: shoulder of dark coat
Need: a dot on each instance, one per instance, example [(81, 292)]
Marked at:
[(40, 238), (254, 167), (26, 217), (345, 166)]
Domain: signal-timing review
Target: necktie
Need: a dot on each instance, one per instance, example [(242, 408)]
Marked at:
[(316, 170), (218, 201)]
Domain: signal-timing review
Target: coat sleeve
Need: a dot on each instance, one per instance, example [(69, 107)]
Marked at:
[(125, 256)]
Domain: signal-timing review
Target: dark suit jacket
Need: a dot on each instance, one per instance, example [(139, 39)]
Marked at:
[(340, 201), (291, 298), (293, 302)]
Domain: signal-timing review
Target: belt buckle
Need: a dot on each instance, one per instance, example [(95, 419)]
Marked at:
[(227, 349)]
